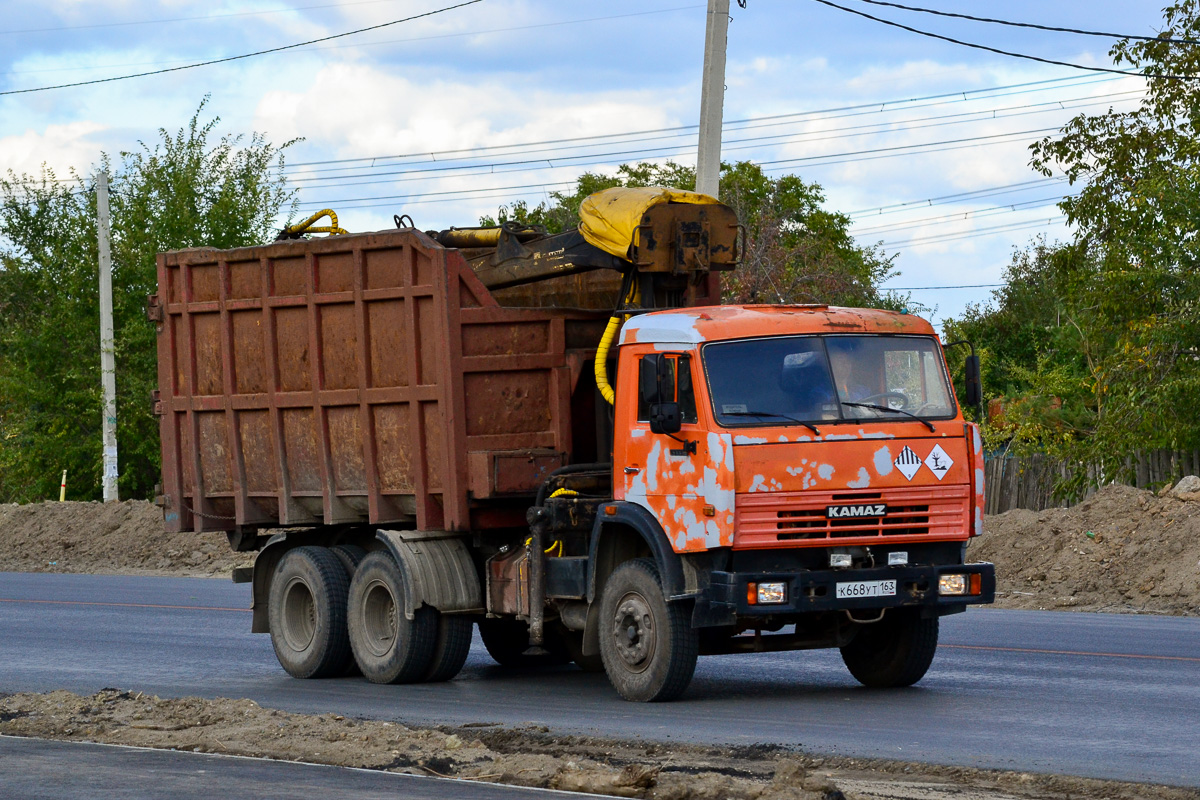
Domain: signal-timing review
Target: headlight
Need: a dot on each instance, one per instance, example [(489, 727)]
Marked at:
[(772, 593), (838, 560), (766, 594), (952, 584)]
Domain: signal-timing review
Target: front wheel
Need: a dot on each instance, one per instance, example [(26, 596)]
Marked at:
[(896, 651), (648, 646)]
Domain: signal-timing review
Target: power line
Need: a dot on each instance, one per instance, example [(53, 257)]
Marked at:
[(932, 288), (245, 55), (904, 147), (933, 201), (192, 19), (728, 145), (532, 169), (607, 158), (805, 136), (1033, 25), (999, 51), (951, 237), (962, 216), (879, 105), (373, 44), (497, 195), (452, 192)]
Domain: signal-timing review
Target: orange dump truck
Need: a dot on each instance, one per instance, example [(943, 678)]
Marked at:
[(565, 441)]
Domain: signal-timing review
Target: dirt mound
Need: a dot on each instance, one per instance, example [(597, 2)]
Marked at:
[(124, 537), (1123, 549), (528, 756)]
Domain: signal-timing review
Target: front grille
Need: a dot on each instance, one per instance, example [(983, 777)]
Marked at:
[(766, 519)]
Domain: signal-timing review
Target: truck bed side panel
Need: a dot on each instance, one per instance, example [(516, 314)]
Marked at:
[(345, 380)]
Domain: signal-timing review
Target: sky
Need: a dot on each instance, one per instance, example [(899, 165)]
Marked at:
[(923, 142)]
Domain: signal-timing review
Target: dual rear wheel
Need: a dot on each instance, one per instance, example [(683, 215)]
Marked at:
[(335, 610)]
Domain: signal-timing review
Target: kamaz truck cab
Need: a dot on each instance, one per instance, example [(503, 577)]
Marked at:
[(812, 475)]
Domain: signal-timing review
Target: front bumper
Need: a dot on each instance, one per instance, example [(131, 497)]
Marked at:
[(725, 598)]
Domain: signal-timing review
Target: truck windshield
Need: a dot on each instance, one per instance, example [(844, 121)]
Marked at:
[(812, 378)]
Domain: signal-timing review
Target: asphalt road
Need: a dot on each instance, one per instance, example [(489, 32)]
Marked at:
[(35, 769), (1099, 695)]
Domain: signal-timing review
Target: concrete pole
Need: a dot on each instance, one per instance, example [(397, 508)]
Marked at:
[(108, 367), (712, 99)]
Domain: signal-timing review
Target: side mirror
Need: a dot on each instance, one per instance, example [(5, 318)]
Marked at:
[(974, 382), (665, 418)]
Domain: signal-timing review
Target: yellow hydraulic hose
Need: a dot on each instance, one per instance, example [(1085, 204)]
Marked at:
[(556, 545), (307, 226), (610, 333)]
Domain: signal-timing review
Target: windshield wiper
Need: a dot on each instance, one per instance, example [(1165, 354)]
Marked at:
[(924, 422), (808, 425)]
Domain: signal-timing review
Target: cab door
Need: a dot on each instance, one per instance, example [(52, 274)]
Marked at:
[(684, 479)]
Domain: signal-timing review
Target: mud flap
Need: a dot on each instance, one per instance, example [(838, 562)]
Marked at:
[(437, 569)]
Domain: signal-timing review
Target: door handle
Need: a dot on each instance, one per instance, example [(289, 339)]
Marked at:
[(632, 470)]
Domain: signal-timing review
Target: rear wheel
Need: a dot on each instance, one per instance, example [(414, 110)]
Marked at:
[(351, 555), (648, 646), (307, 611), (896, 651), (389, 647), (451, 649)]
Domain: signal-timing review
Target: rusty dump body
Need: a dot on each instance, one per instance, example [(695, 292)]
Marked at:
[(366, 379), (570, 444)]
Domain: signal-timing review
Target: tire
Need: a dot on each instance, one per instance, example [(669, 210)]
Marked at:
[(507, 639), (648, 646), (896, 651), (307, 612), (388, 647), (351, 555), (451, 649)]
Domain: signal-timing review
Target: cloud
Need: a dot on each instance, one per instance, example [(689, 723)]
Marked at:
[(60, 147)]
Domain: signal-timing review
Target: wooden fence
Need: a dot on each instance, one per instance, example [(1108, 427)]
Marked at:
[(1032, 481)]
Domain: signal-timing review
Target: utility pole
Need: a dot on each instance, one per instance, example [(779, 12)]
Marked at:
[(108, 367), (712, 99)]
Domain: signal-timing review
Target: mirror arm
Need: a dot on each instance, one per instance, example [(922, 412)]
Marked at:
[(959, 343)]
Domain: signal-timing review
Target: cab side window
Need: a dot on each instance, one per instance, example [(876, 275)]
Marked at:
[(677, 386)]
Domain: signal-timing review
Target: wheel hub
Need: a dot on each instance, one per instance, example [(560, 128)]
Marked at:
[(380, 618), (634, 632), (299, 615)]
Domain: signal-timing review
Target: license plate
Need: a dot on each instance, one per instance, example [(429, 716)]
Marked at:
[(866, 589)]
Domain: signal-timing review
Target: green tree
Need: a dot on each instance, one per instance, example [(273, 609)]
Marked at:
[(1110, 323), (1033, 351), (185, 190), (796, 250)]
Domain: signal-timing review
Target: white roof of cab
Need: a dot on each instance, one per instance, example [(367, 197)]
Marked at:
[(679, 328)]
